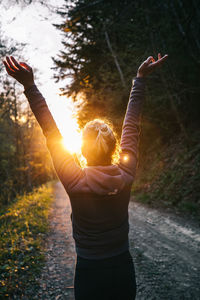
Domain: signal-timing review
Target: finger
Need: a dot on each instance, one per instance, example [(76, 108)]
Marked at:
[(23, 64), (15, 63), (148, 60), (10, 64), (9, 71), (161, 60), (159, 56)]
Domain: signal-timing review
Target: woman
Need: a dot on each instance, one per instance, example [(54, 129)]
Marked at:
[(99, 193)]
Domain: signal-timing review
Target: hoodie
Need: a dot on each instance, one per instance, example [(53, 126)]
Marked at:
[(99, 195)]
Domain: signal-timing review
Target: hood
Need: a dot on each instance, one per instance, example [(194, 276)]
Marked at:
[(104, 180)]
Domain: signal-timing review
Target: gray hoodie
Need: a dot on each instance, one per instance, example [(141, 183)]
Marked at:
[(99, 195)]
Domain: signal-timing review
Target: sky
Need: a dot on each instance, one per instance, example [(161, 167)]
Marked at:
[(32, 24)]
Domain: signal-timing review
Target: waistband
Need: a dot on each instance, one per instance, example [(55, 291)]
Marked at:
[(102, 253), (122, 259)]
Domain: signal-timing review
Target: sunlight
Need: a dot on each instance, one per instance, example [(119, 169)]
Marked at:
[(125, 158), (63, 113), (23, 119), (71, 135)]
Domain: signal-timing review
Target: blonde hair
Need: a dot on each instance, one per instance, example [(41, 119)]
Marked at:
[(99, 139)]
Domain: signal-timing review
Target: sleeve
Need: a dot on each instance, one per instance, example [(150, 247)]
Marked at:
[(68, 171), (131, 128)]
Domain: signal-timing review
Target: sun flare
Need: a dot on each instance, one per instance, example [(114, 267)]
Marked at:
[(71, 138), (68, 125)]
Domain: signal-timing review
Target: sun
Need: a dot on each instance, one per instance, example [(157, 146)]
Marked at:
[(72, 137), (66, 121)]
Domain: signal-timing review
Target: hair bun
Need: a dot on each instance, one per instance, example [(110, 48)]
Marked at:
[(104, 139), (104, 127), (104, 130)]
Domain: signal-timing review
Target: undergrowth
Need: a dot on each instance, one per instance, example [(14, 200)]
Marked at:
[(22, 228), (170, 177)]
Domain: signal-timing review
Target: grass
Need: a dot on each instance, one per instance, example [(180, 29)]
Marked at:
[(22, 228), (170, 177)]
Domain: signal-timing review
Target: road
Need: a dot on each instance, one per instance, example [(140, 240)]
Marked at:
[(165, 249)]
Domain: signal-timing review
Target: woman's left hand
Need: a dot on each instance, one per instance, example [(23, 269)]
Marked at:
[(22, 72), (150, 65)]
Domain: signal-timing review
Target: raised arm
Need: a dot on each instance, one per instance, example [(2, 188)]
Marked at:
[(131, 124), (68, 171)]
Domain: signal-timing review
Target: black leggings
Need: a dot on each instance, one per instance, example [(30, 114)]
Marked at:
[(105, 279)]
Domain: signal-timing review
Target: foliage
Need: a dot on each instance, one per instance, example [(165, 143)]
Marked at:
[(135, 29), (22, 228), (104, 43), (24, 159), (169, 177)]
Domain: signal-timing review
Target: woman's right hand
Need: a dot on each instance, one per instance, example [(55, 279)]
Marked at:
[(22, 72), (150, 65)]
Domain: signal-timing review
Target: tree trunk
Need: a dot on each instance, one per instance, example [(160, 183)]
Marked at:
[(115, 59)]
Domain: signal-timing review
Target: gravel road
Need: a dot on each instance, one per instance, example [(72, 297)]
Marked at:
[(165, 249)]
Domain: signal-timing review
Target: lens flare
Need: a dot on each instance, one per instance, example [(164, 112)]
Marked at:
[(125, 158)]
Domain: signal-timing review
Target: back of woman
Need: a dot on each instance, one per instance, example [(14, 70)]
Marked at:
[(100, 224), (100, 192)]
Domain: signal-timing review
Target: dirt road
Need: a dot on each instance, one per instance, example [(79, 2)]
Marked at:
[(57, 276), (166, 252)]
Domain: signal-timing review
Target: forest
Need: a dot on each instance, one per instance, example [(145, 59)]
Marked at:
[(24, 160), (104, 43)]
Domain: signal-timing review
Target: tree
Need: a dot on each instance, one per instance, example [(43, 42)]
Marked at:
[(104, 42), (24, 159), (91, 59)]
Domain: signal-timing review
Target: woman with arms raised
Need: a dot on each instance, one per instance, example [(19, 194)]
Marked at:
[(100, 192)]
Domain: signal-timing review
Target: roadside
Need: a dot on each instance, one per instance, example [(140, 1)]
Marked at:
[(168, 177), (23, 225)]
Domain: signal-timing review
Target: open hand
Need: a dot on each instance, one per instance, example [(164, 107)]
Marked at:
[(22, 72), (149, 65)]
